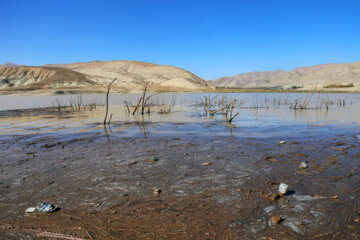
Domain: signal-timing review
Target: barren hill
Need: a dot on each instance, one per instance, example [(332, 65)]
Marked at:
[(95, 76), (344, 76), (33, 78), (132, 75)]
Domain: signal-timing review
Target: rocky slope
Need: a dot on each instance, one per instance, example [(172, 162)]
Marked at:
[(95, 76), (344, 77)]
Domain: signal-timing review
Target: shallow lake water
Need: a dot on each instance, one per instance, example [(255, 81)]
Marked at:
[(260, 115)]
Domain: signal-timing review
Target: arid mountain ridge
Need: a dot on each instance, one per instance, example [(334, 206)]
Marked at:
[(342, 76), (132, 75), (95, 76)]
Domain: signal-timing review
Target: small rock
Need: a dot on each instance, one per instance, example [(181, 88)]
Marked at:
[(276, 220), (303, 165), (206, 164), (30, 210), (6, 227), (283, 188), (273, 196), (157, 191), (185, 154)]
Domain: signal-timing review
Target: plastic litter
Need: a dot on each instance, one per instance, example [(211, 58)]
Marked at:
[(154, 159), (43, 207), (46, 207)]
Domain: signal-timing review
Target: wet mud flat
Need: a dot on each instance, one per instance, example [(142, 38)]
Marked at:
[(212, 186)]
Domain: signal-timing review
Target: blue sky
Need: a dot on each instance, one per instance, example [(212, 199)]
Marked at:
[(209, 38)]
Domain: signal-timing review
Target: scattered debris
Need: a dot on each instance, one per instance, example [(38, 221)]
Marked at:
[(283, 188), (30, 210), (157, 191), (46, 207), (43, 207), (273, 196), (57, 235), (275, 220), (303, 165), (339, 149), (352, 172), (206, 164), (269, 158)]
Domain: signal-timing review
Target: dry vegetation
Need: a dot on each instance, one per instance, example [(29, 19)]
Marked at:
[(75, 104)]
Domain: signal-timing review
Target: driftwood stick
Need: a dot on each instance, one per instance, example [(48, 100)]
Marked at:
[(108, 123), (143, 100), (127, 107), (107, 100), (230, 120), (137, 106)]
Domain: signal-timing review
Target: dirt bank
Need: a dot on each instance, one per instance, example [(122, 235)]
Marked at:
[(212, 187)]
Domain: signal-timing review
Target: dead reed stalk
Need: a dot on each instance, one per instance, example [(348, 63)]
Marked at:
[(107, 100)]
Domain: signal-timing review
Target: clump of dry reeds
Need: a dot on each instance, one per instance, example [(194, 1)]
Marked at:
[(213, 105)]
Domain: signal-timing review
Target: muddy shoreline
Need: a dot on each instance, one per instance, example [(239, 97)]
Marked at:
[(212, 187)]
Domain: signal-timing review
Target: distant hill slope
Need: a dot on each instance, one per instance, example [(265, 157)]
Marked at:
[(344, 76), (95, 76), (132, 75), (9, 64), (34, 78)]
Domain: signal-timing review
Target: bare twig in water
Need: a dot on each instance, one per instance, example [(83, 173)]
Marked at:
[(107, 100), (143, 99)]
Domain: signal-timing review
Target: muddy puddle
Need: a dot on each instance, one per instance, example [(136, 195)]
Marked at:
[(217, 180)]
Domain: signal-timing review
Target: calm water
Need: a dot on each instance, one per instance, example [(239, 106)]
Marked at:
[(260, 114)]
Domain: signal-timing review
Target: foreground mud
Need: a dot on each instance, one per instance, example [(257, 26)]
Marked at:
[(212, 187)]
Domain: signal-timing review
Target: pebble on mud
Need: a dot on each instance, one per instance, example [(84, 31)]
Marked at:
[(273, 196), (276, 220), (283, 188), (206, 164), (303, 165), (30, 210), (157, 191)]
